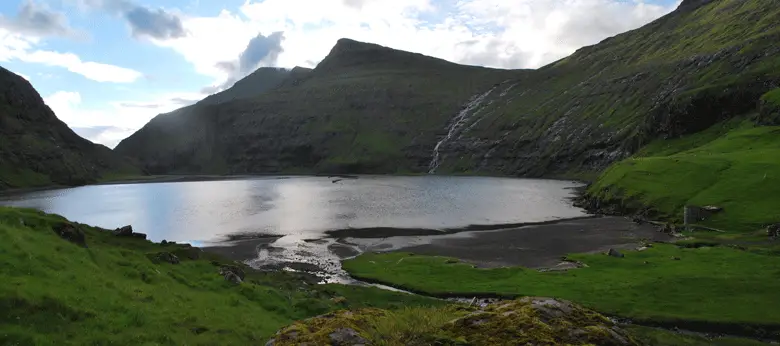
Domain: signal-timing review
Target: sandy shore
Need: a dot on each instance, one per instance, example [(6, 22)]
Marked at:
[(534, 246)]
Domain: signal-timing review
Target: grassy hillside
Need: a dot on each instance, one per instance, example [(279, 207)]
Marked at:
[(258, 82), (704, 63), (37, 149), (113, 291), (733, 165), (367, 108)]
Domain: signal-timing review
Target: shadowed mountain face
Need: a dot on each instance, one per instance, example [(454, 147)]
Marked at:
[(372, 109), (37, 149), (365, 108)]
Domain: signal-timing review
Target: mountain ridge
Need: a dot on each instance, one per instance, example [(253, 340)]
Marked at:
[(706, 62), (343, 86)]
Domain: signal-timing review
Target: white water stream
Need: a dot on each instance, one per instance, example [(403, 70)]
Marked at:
[(457, 123)]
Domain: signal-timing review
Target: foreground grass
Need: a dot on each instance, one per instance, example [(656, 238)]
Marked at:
[(53, 292), (732, 165), (660, 337), (709, 284)]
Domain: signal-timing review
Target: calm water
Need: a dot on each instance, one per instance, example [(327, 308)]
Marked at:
[(304, 207)]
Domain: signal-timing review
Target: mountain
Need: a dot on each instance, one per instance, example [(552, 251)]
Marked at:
[(364, 108), (372, 109), (706, 62), (260, 81), (37, 149)]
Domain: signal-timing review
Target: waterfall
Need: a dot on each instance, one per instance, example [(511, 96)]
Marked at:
[(456, 124)]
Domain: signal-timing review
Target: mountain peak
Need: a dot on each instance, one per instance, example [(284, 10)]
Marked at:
[(348, 53)]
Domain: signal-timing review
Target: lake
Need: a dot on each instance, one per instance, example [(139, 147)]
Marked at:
[(305, 207), (283, 221)]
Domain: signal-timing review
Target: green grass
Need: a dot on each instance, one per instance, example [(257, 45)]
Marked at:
[(732, 165), (772, 97), (660, 337), (717, 284), (53, 292), (13, 177)]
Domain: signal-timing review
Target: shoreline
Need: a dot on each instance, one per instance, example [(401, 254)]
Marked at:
[(386, 232), (180, 178), (539, 245)]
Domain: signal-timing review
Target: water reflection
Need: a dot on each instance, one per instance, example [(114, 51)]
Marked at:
[(304, 207)]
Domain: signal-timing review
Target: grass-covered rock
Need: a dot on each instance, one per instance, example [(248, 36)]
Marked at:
[(535, 321)]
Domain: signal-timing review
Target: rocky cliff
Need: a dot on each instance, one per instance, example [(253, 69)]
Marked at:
[(37, 149), (367, 108)]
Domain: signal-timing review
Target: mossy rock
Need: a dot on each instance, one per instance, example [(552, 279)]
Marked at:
[(336, 328), (534, 321), (537, 321)]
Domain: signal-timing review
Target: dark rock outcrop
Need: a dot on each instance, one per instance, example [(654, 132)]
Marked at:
[(124, 231), (167, 257), (71, 233), (233, 274), (615, 253), (127, 232)]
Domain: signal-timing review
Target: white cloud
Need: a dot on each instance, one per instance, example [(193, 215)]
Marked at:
[(495, 33), (115, 121), (109, 136), (17, 47)]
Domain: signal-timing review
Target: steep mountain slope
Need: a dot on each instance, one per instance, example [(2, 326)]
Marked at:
[(708, 61), (365, 108), (37, 149), (260, 81)]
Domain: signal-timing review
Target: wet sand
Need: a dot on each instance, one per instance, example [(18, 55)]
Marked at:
[(241, 250), (539, 246), (535, 246)]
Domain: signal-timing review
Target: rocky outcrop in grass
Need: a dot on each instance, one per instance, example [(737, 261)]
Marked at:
[(531, 320)]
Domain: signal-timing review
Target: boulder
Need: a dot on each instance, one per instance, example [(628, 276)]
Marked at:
[(773, 231), (70, 233), (167, 257), (138, 235), (615, 253), (233, 274), (233, 278), (342, 328), (126, 231), (346, 336), (232, 269)]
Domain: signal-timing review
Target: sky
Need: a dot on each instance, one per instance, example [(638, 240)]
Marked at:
[(106, 67)]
